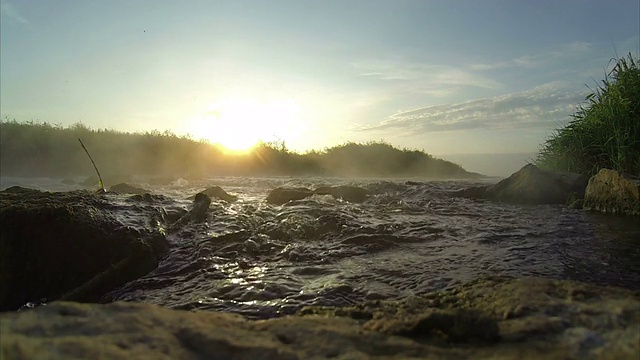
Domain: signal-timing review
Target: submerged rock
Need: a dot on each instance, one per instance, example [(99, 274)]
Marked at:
[(527, 318), (54, 242), (531, 185), (280, 196), (474, 192), (124, 188), (198, 212), (218, 193), (344, 192), (611, 192)]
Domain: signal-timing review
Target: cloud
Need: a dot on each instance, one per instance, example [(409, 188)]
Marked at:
[(540, 107), (432, 77), (563, 51), (7, 9)]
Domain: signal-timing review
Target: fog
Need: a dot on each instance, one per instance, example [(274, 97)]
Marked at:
[(43, 150), (501, 165)]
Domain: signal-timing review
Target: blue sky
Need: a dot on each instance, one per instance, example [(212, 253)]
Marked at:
[(449, 77)]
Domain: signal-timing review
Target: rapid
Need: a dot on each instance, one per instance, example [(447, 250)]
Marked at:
[(408, 238)]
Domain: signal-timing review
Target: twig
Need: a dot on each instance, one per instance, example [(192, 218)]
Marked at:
[(101, 184)]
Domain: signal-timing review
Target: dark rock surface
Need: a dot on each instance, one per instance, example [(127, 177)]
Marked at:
[(611, 192), (474, 192), (531, 185), (53, 243), (280, 196), (198, 212), (218, 193), (494, 318)]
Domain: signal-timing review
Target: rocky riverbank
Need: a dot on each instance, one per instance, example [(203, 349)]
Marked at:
[(528, 318), (608, 191), (69, 245)]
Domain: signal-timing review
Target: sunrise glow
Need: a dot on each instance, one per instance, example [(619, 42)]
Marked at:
[(239, 124)]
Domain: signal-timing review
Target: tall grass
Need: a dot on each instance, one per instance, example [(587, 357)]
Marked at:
[(604, 132)]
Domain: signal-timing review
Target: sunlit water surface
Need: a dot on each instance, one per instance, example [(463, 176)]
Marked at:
[(408, 238)]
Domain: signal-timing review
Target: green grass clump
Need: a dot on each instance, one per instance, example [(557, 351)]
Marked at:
[(604, 132)]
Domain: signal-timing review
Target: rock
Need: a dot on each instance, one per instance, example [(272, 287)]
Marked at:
[(474, 192), (611, 192), (198, 212), (141, 260), (504, 318), (531, 185), (577, 204), (280, 196), (54, 242), (124, 188), (344, 192), (218, 193)]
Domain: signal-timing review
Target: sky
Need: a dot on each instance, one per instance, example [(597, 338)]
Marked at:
[(451, 77)]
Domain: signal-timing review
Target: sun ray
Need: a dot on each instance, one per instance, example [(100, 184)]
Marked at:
[(237, 125)]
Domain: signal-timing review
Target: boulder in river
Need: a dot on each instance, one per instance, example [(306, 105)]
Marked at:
[(531, 185), (280, 195), (489, 318), (198, 212), (344, 192), (53, 243), (218, 193), (612, 192)]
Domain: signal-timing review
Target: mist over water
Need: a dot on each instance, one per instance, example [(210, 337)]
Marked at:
[(407, 239), (499, 165)]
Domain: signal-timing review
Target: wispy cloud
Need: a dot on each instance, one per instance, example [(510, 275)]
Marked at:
[(540, 107), (7, 9), (435, 76), (577, 48)]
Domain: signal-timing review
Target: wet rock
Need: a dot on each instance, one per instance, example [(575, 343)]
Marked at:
[(141, 259), (611, 192), (218, 193), (531, 185), (149, 198), (124, 188), (450, 326), (474, 192), (198, 212), (54, 242), (344, 192), (280, 196), (527, 318)]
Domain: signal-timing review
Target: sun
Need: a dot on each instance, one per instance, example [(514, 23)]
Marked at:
[(239, 124)]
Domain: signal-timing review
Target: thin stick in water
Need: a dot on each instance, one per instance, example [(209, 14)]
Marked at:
[(95, 167)]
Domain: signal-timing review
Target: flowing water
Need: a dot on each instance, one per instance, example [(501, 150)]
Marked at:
[(408, 238)]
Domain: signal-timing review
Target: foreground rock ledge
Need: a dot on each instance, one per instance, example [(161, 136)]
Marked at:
[(525, 318)]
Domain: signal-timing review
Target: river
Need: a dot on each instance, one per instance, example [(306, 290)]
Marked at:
[(407, 238)]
